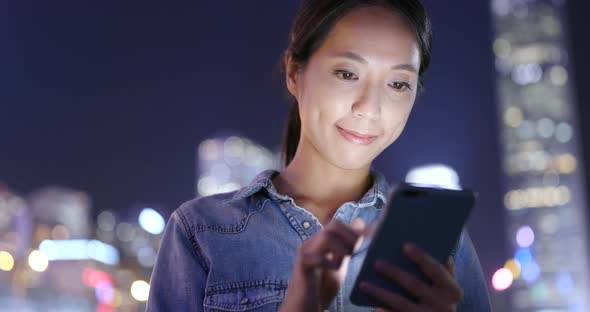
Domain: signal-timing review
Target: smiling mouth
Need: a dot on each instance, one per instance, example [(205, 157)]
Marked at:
[(355, 137)]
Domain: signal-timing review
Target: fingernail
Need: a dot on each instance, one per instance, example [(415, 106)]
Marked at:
[(358, 224)]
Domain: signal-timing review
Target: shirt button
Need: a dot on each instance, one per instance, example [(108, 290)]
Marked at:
[(306, 225), (244, 301)]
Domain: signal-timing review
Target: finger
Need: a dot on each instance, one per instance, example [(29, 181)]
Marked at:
[(330, 247), (451, 266), (347, 232), (333, 250), (392, 300), (358, 225), (430, 266), (364, 234), (361, 229), (353, 233), (312, 260), (370, 229), (414, 285), (433, 269)]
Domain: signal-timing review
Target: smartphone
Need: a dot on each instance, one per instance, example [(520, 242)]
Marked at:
[(432, 218)]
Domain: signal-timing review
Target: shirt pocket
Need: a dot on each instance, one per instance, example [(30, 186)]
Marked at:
[(259, 296)]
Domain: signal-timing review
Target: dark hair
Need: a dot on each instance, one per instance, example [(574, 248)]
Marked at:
[(311, 25)]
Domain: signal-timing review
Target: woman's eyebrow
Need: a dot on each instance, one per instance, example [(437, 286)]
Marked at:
[(350, 55), (355, 57), (408, 67)]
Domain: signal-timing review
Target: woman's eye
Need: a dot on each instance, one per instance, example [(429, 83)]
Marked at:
[(401, 86), (346, 75)]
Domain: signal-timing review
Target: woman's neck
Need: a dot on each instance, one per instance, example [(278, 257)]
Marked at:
[(319, 186)]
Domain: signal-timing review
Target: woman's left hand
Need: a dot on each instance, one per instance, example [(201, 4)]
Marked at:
[(443, 295)]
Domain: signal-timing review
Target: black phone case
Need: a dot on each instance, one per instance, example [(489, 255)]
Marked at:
[(432, 218)]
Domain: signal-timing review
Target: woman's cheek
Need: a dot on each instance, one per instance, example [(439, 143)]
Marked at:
[(335, 98)]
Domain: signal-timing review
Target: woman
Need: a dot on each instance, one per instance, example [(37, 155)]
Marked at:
[(284, 242)]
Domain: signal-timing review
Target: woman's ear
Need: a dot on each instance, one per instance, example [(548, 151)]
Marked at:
[(291, 74)]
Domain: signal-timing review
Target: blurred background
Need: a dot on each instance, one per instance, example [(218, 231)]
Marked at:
[(113, 113)]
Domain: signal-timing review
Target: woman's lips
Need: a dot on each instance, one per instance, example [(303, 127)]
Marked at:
[(356, 138)]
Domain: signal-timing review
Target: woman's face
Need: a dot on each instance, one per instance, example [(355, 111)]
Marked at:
[(362, 79)]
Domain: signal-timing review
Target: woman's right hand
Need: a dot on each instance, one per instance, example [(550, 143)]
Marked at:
[(320, 266)]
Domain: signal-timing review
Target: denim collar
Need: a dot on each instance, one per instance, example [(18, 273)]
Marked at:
[(379, 190)]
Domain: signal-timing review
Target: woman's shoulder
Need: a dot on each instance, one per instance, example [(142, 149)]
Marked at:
[(217, 212), (227, 208)]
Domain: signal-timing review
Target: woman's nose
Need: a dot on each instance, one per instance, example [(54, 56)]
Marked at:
[(369, 104)]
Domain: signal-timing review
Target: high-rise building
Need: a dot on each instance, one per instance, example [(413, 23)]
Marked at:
[(15, 224), (227, 163), (64, 212), (544, 184)]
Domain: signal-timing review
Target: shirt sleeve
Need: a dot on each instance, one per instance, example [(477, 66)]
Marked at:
[(179, 275), (470, 277)]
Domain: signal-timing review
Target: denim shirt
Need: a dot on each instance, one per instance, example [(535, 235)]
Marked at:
[(236, 251)]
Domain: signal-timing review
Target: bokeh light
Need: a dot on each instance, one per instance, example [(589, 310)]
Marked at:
[(106, 221), (565, 283), (531, 271), (151, 221), (92, 278), (6, 261), (126, 232), (514, 267), (140, 290), (502, 279), (38, 261), (525, 236), (523, 256), (513, 117), (105, 293)]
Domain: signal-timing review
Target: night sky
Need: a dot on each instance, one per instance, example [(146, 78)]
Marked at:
[(113, 97)]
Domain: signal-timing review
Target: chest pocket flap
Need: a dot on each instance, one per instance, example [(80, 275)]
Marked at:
[(245, 296)]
